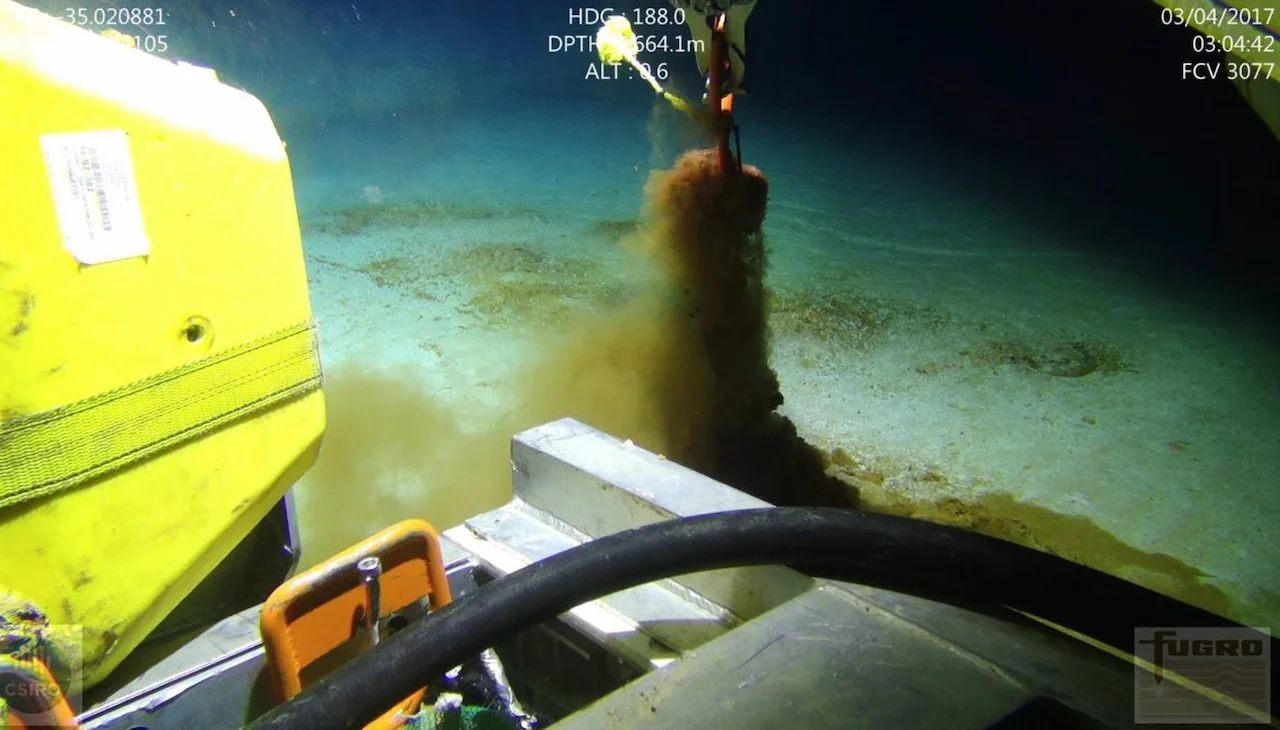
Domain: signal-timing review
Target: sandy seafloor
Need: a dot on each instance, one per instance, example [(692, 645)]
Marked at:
[(461, 218), (936, 336)]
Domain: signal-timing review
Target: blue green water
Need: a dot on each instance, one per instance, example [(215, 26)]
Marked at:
[(1013, 253)]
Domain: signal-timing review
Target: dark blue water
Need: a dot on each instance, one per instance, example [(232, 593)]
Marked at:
[(1077, 117), (990, 158)]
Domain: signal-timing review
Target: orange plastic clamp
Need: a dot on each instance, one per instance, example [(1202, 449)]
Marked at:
[(322, 609)]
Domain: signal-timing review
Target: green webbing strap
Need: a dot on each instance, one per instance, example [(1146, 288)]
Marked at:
[(51, 451)]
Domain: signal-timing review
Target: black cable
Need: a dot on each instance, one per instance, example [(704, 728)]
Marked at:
[(895, 553)]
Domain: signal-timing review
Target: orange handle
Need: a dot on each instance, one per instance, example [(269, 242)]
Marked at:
[(311, 616)]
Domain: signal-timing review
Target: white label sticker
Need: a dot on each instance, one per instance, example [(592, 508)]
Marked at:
[(96, 195)]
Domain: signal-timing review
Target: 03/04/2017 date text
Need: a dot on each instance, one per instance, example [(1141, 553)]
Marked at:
[(1223, 16)]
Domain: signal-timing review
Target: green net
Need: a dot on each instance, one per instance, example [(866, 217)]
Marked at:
[(452, 715)]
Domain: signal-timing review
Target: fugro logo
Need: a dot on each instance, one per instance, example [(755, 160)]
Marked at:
[(1202, 675)]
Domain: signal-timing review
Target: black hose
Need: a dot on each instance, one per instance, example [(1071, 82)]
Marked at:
[(895, 553)]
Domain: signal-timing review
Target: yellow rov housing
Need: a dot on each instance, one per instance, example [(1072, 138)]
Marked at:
[(159, 375)]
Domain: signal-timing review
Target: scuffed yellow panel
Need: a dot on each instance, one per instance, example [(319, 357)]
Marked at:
[(159, 381)]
